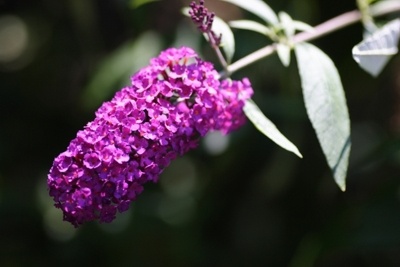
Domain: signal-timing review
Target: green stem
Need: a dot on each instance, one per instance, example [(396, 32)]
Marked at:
[(322, 29), (366, 18)]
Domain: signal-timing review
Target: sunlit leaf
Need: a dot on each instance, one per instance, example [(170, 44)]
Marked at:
[(287, 23), (258, 8), (326, 107), (265, 126), (290, 26), (228, 41), (383, 5), (119, 66), (251, 26), (283, 51), (374, 52), (302, 26)]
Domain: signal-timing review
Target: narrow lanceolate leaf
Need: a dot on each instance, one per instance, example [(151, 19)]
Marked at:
[(258, 8), (265, 126), (381, 7), (251, 26), (326, 107), (283, 51), (287, 23), (374, 52), (302, 26), (227, 39)]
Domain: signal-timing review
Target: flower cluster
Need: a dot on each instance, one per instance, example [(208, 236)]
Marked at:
[(161, 115)]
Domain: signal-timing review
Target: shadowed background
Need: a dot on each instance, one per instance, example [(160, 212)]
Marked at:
[(235, 201)]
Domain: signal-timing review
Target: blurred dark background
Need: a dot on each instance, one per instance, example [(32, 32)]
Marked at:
[(235, 201)]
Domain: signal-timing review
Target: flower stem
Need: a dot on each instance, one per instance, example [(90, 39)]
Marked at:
[(366, 17), (215, 46), (322, 29)]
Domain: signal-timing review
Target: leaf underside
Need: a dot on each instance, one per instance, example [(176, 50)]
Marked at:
[(265, 126), (373, 53), (326, 107), (258, 8)]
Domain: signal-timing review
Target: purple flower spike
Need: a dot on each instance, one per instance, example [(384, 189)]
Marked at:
[(204, 20), (169, 106)]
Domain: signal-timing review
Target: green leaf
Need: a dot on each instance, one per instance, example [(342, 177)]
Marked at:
[(290, 26), (258, 8), (302, 26), (283, 51), (228, 40), (373, 53), (251, 26), (287, 24), (265, 126), (382, 6), (119, 66), (138, 3), (326, 107)]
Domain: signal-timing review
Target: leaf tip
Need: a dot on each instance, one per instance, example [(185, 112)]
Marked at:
[(297, 152), (342, 187)]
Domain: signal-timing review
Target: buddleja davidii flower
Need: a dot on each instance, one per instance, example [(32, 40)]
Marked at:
[(168, 107), (233, 94)]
